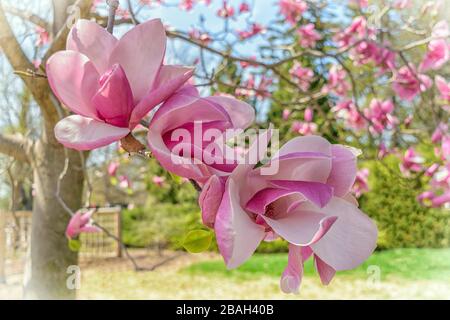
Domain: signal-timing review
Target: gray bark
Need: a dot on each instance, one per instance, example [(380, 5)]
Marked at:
[(49, 258)]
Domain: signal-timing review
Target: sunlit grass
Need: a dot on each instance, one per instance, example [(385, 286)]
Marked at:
[(413, 264)]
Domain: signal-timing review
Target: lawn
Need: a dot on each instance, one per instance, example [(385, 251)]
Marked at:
[(410, 264), (404, 274)]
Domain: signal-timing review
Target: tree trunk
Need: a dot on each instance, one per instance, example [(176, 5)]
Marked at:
[(46, 272)]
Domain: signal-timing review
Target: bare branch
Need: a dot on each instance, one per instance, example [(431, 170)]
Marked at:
[(14, 146), (29, 16)]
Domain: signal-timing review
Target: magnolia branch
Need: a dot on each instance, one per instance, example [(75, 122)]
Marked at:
[(14, 146)]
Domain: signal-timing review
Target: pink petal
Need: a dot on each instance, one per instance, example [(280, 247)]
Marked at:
[(292, 276), (73, 227), (210, 199), (177, 112), (308, 165), (352, 239), (88, 38), (73, 79), (170, 79), (237, 235), (140, 52), (316, 192), (263, 198), (326, 272), (90, 229), (82, 133), (241, 113), (114, 100), (302, 228), (343, 170), (86, 217)]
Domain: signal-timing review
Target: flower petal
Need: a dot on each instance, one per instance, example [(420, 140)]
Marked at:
[(343, 170), (114, 100), (140, 52), (90, 39), (210, 199), (352, 239), (293, 273), (316, 192), (326, 272), (74, 80), (83, 133), (312, 160), (302, 228), (237, 235), (242, 114), (170, 79)]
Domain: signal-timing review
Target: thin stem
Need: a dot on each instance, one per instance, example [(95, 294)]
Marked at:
[(113, 5)]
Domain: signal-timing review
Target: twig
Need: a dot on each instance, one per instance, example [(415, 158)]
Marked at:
[(113, 5)]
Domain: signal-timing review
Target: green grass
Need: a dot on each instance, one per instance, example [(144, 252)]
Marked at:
[(413, 264)]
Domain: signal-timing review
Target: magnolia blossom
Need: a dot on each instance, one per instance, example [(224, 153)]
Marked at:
[(380, 115), (436, 56), (112, 168), (443, 87), (292, 10), (80, 222), (302, 76), (286, 113), (408, 83), (411, 162), (308, 35), (361, 182), (307, 127), (347, 110), (337, 82), (159, 181), (110, 84), (178, 133), (306, 202)]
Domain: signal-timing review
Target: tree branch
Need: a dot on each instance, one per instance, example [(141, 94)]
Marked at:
[(29, 16), (14, 146)]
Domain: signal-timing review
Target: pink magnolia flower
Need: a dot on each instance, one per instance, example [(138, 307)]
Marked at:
[(80, 222), (361, 3), (286, 114), (411, 162), (306, 202), (110, 84), (43, 36), (112, 168), (347, 110), (227, 11), (337, 82), (436, 56), (439, 133), (303, 76), (380, 115), (402, 4), (124, 182), (440, 200), (159, 181), (244, 7), (361, 182), (308, 35), (443, 87), (178, 133), (408, 83), (292, 10)]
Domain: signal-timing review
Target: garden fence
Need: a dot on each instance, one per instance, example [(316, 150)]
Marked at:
[(15, 235)]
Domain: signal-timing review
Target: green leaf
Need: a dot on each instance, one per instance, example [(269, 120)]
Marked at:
[(197, 241), (175, 178), (74, 245), (113, 181)]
